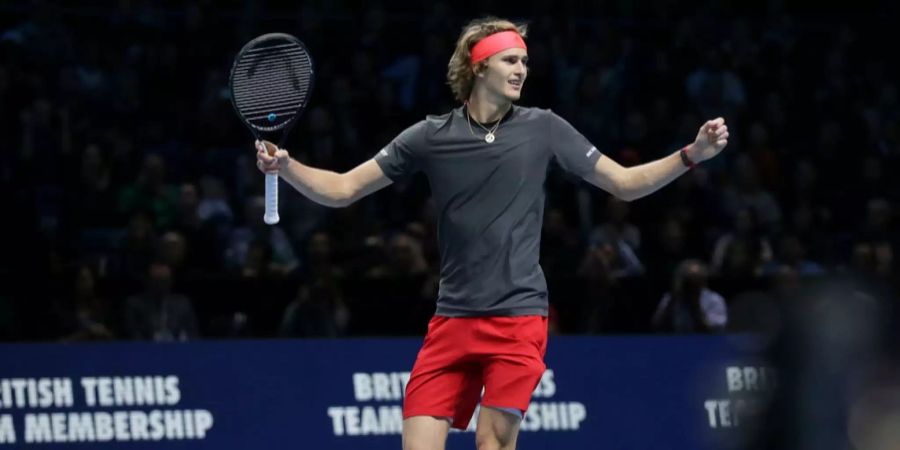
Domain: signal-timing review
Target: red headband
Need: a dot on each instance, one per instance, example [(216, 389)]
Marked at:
[(496, 43)]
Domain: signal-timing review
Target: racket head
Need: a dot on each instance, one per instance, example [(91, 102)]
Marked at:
[(271, 80)]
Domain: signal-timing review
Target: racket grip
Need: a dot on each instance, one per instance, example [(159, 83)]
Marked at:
[(271, 216)]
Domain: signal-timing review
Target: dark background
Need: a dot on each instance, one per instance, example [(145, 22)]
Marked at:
[(120, 148)]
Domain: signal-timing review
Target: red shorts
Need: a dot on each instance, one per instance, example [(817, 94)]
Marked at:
[(505, 355)]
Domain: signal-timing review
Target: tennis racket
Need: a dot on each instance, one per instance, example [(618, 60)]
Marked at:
[(271, 81)]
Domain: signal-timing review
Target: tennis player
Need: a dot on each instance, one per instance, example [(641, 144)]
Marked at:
[(486, 163)]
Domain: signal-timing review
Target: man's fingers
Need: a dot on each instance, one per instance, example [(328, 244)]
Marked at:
[(264, 153), (715, 124), (269, 147), (266, 167), (268, 155)]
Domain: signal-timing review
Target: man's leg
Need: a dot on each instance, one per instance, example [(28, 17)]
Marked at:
[(425, 433), (443, 388), (497, 429), (511, 372)]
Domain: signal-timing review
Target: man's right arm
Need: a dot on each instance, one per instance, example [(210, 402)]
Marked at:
[(325, 187)]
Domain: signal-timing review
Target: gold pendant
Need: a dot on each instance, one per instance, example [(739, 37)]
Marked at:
[(489, 138)]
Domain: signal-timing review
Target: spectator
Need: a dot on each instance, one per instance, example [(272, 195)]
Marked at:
[(320, 258), (791, 253), (213, 204), (204, 238), (668, 250), (137, 247), (89, 317), (690, 306), (316, 311), (748, 192), (617, 226), (151, 191), (622, 260), (402, 286), (609, 270), (404, 259), (157, 313), (93, 196), (714, 87), (259, 248), (741, 252)]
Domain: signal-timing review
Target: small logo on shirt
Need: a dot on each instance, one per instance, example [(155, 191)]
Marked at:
[(591, 152), (383, 152)]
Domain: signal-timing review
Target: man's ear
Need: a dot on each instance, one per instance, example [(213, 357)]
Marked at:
[(478, 70)]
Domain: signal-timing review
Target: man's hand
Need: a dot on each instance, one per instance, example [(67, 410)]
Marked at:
[(270, 158), (711, 139)]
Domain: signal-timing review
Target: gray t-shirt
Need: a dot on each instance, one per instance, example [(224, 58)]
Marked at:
[(490, 203)]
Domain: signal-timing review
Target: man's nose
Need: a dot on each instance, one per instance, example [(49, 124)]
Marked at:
[(521, 68)]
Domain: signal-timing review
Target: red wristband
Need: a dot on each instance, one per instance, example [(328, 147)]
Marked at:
[(686, 160)]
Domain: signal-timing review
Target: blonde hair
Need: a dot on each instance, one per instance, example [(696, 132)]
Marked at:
[(460, 75)]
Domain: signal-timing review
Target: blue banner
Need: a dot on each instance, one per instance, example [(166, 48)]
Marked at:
[(678, 392)]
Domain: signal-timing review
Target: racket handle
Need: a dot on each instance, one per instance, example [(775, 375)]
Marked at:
[(271, 216)]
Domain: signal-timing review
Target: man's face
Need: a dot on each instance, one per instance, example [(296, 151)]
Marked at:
[(160, 279), (505, 73)]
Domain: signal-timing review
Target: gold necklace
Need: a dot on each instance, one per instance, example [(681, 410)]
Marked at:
[(489, 137)]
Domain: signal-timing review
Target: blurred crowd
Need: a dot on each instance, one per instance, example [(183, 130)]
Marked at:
[(134, 208)]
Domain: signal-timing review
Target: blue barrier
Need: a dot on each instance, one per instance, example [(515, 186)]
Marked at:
[(680, 392)]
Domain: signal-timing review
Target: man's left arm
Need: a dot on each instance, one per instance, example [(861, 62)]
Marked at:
[(631, 183)]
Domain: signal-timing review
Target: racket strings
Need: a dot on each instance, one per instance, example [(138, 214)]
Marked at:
[(270, 83), (289, 64), (274, 63), (261, 96), (271, 88), (285, 102)]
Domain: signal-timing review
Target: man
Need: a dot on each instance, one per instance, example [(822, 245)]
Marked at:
[(691, 306), (486, 163), (157, 313)]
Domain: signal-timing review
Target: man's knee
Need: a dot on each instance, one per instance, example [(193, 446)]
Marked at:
[(497, 430), (425, 433), (492, 441)]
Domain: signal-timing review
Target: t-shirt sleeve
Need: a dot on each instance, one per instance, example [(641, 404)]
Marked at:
[(573, 152), (399, 159)]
